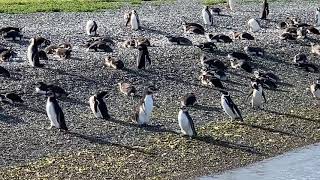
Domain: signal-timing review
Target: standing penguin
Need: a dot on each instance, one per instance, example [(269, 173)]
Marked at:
[(265, 10), (207, 16), (254, 25), (315, 89), (257, 94), (318, 17), (186, 123), (98, 105), (229, 107), (232, 4), (143, 112), (33, 54), (143, 56), (55, 113), (133, 19), (91, 28)]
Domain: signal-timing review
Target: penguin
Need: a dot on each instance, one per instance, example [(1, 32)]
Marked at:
[(193, 28), (254, 51), (107, 40), (317, 17), (229, 107), (207, 16), (219, 74), (209, 80), (315, 89), (178, 40), (242, 36), (142, 40), (268, 75), (212, 63), (63, 53), (265, 10), (143, 57), (43, 55), (13, 35), (300, 59), (241, 64), (302, 33), (257, 94), (130, 43), (33, 54), (207, 46), (8, 29), (55, 113), (288, 36), (186, 123), (113, 63), (239, 56), (188, 99), (4, 72), (44, 89), (232, 4), (100, 46), (7, 54), (315, 49), (98, 105), (254, 25), (127, 89), (133, 20), (215, 10), (143, 111), (313, 30), (51, 49), (10, 98), (292, 30), (218, 38), (91, 28)]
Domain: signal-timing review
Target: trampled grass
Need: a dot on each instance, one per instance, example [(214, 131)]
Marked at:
[(31, 6)]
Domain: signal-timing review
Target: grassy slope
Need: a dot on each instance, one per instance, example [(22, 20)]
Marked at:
[(30, 6)]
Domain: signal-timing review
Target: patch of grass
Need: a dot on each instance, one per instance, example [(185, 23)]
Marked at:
[(214, 2), (32, 6)]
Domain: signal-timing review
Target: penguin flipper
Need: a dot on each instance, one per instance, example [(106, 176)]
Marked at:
[(60, 117), (250, 93), (191, 124), (103, 109), (238, 112)]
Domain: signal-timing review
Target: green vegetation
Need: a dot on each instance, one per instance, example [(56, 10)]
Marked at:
[(31, 6)]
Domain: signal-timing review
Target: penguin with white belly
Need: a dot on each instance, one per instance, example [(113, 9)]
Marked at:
[(98, 105), (143, 111), (207, 16), (55, 113), (91, 28), (317, 17), (229, 107), (133, 19), (186, 123), (33, 54), (257, 94), (315, 89)]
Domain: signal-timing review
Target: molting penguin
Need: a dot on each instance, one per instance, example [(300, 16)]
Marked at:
[(91, 28), (63, 53), (55, 113), (315, 89), (257, 94), (10, 98), (4, 72), (218, 38), (33, 54), (193, 28), (209, 80), (242, 36), (188, 99), (143, 111), (100, 46), (186, 123), (317, 17), (133, 19), (268, 80), (254, 25), (113, 63), (178, 40), (207, 16), (212, 63), (241, 64), (143, 57), (207, 46), (229, 107), (98, 105), (127, 89), (44, 89), (254, 51)]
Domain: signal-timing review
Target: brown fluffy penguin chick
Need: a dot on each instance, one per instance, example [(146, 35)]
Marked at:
[(113, 63), (63, 53), (127, 89), (315, 49)]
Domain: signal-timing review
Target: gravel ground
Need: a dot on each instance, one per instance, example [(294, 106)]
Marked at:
[(118, 149)]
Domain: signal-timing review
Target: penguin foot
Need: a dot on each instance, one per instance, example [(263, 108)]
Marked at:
[(49, 128)]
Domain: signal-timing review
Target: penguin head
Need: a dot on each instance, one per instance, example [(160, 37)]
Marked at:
[(41, 85), (151, 90), (102, 95), (257, 73), (225, 93), (318, 81), (318, 9), (184, 108), (32, 40), (50, 93), (134, 12)]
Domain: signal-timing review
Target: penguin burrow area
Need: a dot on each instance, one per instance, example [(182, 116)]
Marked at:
[(117, 148)]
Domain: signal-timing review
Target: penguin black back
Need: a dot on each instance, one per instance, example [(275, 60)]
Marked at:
[(59, 112), (143, 56), (100, 103)]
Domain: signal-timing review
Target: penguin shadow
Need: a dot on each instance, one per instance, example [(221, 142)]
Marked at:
[(227, 144), (275, 59), (291, 115), (285, 84), (234, 83), (137, 72), (260, 66), (23, 42), (154, 31), (223, 15), (101, 141), (61, 72), (28, 108), (73, 101), (206, 108), (272, 130), (75, 58), (8, 119)]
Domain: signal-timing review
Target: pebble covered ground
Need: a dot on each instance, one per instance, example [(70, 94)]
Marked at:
[(118, 149)]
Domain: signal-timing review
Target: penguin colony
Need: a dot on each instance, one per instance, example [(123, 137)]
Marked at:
[(213, 72)]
